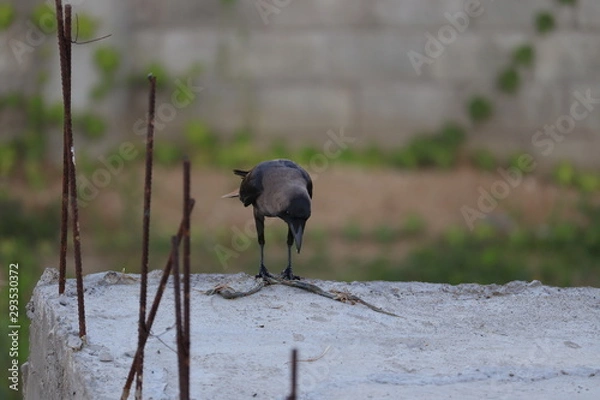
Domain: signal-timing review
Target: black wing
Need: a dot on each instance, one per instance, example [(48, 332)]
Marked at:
[(309, 185), (305, 175)]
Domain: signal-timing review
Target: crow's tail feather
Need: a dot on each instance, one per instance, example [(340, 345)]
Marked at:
[(240, 172)]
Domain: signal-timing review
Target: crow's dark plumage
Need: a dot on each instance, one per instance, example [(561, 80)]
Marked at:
[(277, 188)]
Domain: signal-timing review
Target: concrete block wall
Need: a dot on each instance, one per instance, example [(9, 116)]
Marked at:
[(297, 68)]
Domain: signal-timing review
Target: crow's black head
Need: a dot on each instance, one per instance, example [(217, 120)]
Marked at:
[(295, 215), (298, 208)]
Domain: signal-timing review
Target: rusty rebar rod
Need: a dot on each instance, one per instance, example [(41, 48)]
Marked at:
[(64, 224), (294, 375), (65, 60), (178, 322), (186, 279), (146, 233), (153, 311)]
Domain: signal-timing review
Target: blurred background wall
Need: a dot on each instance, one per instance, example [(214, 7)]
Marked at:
[(385, 70)]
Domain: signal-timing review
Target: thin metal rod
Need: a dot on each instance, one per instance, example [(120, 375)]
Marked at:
[(64, 222), (146, 233), (294, 376), (178, 322), (186, 279), (65, 58), (153, 311)]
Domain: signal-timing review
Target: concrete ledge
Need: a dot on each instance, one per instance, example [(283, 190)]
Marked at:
[(516, 341)]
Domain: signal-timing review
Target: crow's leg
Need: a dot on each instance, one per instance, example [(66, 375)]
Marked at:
[(259, 220), (287, 272)]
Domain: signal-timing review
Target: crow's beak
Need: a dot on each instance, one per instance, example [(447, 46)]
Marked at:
[(297, 227)]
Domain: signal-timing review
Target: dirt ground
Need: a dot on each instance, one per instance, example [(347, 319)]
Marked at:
[(369, 197), (366, 197)]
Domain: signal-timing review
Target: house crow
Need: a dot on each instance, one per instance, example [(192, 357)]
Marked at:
[(277, 188)]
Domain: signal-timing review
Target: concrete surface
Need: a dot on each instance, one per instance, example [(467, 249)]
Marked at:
[(516, 341)]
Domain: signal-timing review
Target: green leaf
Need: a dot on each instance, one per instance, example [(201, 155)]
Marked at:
[(44, 18), (84, 27), (453, 134), (524, 55), (564, 173), (91, 126), (159, 71), (508, 80), (107, 59), (480, 109), (199, 136), (167, 153), (544, 22)]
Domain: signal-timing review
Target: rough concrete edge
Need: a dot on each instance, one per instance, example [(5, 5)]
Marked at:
[(49, 371)]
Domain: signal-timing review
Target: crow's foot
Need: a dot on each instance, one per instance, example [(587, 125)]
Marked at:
[(264, 274), (288, 275)]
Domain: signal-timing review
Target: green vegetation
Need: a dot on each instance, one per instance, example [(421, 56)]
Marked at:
[(27, 150), (167, 154), (8, 159), (509, 80), (567, 2), (564, 173), (563, 254), (206, 147), (515, 161), (90, 125), (85, 27), (544, 22), (198, 136), (156, 69), (107, 61), (43, 18), (483, 159), (352, 231), (385, 234), (7, 15), (524, 55), (480, 109), (588, 182), (413, 225), (439, 150), (27, 237)]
